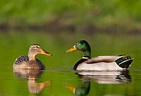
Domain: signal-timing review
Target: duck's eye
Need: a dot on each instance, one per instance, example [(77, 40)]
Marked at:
[(37, 46)]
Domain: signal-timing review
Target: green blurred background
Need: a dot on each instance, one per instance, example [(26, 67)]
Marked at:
[(72, 15), (112, 27)]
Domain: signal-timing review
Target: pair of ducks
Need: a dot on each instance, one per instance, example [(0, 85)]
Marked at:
[(98, 63)]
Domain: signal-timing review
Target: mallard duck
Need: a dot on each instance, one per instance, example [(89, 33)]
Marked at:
[(98, 63), (30, 62)]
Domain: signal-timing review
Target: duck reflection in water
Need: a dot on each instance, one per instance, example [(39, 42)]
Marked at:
[(82, 90), (107, 77), (31, 75), (35, 87), (101, 77)]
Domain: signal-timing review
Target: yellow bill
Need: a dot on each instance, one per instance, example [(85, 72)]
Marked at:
[(72, 49), (46, 53)]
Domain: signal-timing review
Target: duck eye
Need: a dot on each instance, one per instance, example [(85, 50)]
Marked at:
[(37, 46)]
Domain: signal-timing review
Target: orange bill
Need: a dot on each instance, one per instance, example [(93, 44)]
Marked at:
[(72, 49)]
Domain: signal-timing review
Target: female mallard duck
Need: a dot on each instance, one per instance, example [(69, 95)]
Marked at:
[(30, 62), (98, 63)]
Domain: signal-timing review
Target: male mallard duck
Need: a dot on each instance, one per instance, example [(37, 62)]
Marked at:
[(98, 63), (30, 62)]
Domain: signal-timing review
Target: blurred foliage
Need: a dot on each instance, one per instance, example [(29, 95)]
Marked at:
[(74, 12)]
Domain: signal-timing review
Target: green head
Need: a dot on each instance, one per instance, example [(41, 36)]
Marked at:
[(83, 46)]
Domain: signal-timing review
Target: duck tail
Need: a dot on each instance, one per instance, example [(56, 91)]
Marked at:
[(124, 62)]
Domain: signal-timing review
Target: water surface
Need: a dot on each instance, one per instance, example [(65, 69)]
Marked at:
[(59, 79)]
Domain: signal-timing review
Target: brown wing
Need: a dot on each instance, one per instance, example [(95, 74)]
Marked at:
[(21, 60)]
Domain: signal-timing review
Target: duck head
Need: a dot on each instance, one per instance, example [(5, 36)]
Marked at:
[(37, 49), (83, 46)]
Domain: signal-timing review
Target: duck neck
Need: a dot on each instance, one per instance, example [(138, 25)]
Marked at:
[(87, 53), (31, 56)]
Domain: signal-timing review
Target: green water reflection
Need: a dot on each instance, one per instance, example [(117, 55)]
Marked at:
[(31, 75), (82, 88), (59, 78)]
